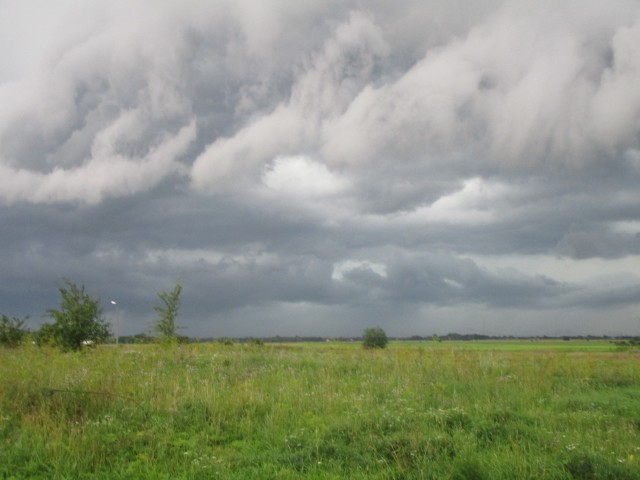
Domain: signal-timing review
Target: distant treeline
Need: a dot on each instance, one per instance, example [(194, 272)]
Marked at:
[(143, 338)]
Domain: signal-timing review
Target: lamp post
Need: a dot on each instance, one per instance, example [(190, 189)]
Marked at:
[(113, 302)]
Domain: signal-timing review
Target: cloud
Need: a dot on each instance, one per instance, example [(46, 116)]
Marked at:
[(320, 92), (476, 202), (106, 174), (524, 87), (347, 269), (357, 161), (301, 177), (106, 116), (527, 86)]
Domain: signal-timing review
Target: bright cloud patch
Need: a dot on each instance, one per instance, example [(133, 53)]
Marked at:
[(343, 268), (474, 204), (302, 177)]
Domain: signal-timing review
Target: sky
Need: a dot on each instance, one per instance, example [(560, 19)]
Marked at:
[(315, 168)]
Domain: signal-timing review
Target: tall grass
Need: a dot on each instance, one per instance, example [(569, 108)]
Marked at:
[(214, 411)]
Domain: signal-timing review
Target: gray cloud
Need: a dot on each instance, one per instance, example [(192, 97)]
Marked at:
[(318, 167)]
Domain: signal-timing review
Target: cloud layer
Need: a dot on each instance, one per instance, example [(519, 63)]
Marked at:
[(326, 165)]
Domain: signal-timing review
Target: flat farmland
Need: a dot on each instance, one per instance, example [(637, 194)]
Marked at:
[(458, 410)]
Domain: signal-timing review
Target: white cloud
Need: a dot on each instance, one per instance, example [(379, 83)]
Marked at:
[(521, 88), (240, 156), (322, 91), (616, 105), (27, 29), (301, 177), (106, 175), (343, 268), (103, 115), (476, 203)]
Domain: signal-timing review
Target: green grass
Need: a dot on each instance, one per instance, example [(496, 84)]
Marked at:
[(516, 345), (468, 410), (555, 345)]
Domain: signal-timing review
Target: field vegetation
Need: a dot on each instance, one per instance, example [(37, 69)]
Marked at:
[(433, 410)]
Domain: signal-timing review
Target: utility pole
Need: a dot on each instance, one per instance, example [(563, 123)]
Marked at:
[(113, 302)]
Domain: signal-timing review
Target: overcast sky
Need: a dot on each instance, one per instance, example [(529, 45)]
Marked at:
[(318, 167)]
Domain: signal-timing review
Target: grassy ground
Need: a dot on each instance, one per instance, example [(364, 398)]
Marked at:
[(330, 411)]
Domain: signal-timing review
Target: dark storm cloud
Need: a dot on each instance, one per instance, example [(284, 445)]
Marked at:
[(324, 165)]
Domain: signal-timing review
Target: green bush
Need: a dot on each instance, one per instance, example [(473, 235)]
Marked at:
[(45, 336), (79, 321), (12, 331), (374, 338)]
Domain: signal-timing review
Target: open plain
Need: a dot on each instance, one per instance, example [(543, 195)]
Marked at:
[(495, 410)]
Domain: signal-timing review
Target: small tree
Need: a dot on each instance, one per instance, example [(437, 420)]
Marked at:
[(79, 321), (12, 331), (166, 324), (374, 338)]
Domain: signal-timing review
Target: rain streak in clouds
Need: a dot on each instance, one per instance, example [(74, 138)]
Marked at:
[(313, 168)]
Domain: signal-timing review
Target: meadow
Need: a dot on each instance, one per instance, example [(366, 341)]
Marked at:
[(467, 410)]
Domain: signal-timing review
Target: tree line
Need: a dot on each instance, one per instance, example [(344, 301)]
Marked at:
[(79, 323)]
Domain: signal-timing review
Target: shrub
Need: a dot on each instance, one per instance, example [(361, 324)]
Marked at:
[(78, 322), (12, 331), (375, 338), (45, 335)]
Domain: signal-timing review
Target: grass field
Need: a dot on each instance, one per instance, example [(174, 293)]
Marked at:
[(468, 410)]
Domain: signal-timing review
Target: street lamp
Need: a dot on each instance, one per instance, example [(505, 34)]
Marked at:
[(113, 302)]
